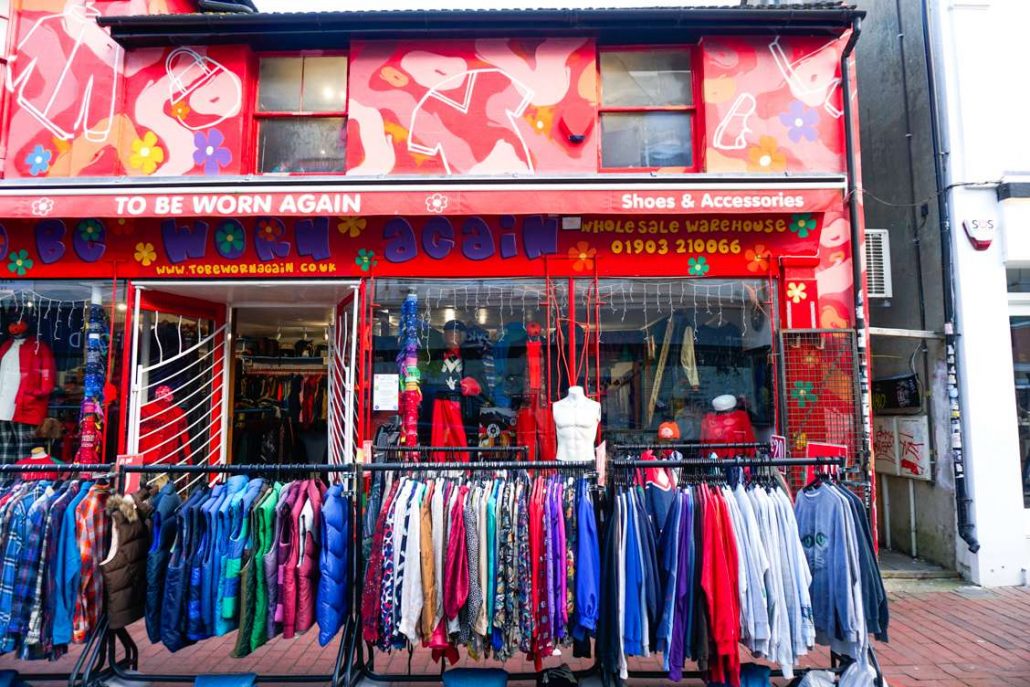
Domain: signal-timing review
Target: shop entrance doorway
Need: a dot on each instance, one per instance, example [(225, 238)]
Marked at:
[(244, 372)]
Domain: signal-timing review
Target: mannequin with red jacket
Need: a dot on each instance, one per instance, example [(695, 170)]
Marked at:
[(163, 430), (27, 378), (728, 424)]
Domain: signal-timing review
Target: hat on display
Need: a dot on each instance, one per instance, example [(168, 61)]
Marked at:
[(163, 392), (724, 402), (455, 326), (668, 431)]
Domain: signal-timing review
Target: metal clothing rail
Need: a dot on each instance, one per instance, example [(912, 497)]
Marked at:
[(130, 662), (689, 446), (364, 667), (837, 665), (90, 661)]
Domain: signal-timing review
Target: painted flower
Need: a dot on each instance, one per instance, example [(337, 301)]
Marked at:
[(145, 253), (766, 156), (42, 207), (146, 153), (366, 260), (269, 230), (698, 267), (229, 238), (90, 230), (180, 110), (796, 292), (122, 227), (351, 226), (802, 393), (209, 151), (541, 119), (810, 359), (757, 259), (38, 160), (583, 255), (20, 262), (436, 203), (802, 224), (800, 121), (801, 442)]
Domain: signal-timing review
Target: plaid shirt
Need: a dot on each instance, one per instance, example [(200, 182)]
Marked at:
[(92, 535), (35, 635), (28, 566), (13, 534)]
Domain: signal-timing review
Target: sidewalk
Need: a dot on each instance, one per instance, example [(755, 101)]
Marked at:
[(942, 634)]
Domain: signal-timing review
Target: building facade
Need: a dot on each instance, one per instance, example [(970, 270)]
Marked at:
[(287, 236), (945, 175)]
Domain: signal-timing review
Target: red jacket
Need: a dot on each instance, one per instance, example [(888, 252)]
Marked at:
[(163, 434), (38, 377), (307, 573), (733, 427)]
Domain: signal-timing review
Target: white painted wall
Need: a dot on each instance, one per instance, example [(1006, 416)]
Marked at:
[(981, 47)]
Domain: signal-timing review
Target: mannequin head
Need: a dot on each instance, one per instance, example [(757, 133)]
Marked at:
[(454, 334), (19, 329), (724, 403), (533, 329), (163, 392)]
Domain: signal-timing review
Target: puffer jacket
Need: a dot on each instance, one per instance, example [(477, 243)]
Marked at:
[(307, 560), (162, 537), (333, 603), (125, 568)]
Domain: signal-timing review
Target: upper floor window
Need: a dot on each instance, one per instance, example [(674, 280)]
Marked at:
[(647, 108), (302, 114)]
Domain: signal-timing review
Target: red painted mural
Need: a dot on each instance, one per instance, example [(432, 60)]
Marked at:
[(773, 105), (477, 107), (81, 106)]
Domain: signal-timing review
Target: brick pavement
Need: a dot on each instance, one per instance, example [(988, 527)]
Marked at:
[(942, 635)]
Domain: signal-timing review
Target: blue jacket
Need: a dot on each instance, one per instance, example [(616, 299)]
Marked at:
[(333, 598), (69, 571), (163, 536), (180, 614), (220, 549), (588, 565)]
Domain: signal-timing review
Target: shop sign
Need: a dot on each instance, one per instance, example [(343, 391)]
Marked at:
[(438, 246), (902, 446), (423, 200)]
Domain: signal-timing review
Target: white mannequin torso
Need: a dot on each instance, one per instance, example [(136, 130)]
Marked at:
[(575, 419)]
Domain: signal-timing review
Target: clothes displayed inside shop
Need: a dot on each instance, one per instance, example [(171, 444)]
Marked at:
[(53, 538), (263, 557), (499, 565), (280, 416)]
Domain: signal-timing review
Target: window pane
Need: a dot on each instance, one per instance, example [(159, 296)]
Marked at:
[(279, 87), (325, 84), (1018, 280), (302, 145), (646, 78), (653, 139), (1020, 327)]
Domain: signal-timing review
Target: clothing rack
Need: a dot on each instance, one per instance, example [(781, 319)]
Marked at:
[(90, 663), (122, 636), (690, 446), (836, 664), (364, 667)]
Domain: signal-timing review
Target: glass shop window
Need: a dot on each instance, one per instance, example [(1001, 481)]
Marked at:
[(647, 108), (485, 359), (302, 114), (54, 338)]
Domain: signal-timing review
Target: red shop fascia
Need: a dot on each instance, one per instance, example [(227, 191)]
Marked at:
[(464, 151)]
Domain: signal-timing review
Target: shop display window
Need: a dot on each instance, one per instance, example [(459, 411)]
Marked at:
[(58, 393), (480, 362), (301, 111), (647, 108)]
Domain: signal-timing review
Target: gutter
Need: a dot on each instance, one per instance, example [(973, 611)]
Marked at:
[(966, 528), (862, 399)]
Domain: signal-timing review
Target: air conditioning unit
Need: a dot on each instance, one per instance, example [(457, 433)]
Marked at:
[(878, 263)]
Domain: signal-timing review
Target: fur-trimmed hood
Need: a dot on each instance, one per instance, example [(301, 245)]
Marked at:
[(132, 507)]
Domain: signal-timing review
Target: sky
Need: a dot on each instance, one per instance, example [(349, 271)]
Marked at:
[(334, 5)]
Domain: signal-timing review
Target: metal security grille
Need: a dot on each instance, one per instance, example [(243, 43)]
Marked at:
[(820, 386)]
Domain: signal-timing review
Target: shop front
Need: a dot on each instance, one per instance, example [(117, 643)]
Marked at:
[(720, 312)]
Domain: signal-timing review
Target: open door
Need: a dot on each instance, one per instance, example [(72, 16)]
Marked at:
[(343, 414), (179, 379)]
